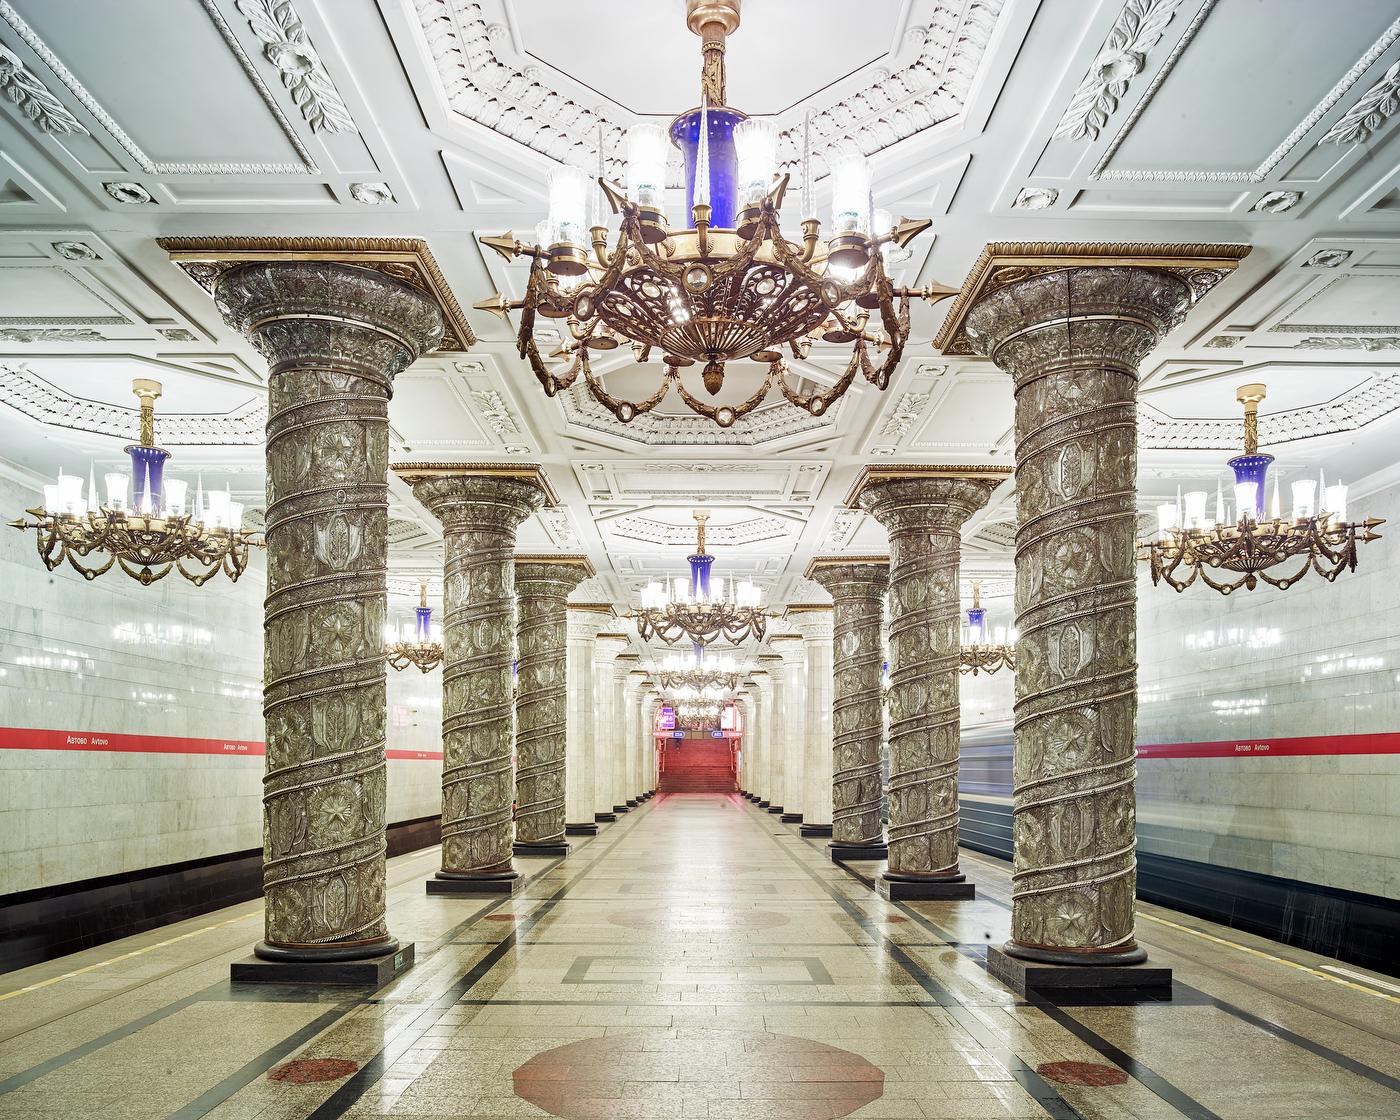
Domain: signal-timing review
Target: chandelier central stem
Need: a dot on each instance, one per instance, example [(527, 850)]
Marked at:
[(1250, 396), (713, 21)]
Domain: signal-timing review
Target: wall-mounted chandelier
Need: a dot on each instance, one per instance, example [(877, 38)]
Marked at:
[(415, 643), (145, 523), (983, 650), (717, 674), (729, 286), (699, 609), (1248, 543)]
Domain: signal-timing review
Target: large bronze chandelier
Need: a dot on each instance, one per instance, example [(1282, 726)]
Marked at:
[(1248, 544), (729, 285), (145, 523), (985, 651), (715, 675), (698, 609), (419, 643)]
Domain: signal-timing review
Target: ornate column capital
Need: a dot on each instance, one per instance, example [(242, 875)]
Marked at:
[(552, 576), (924, 499), (1002, 265), (350, 318), (608, 645), (585, 624), (815, 623), (478, 496), (850, 577)]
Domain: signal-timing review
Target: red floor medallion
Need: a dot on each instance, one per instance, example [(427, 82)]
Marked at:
[(1081, 1073), (304, 1071), (807, 1080)]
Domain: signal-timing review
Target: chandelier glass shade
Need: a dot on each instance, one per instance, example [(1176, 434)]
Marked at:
[(699, 609), (985, 650), (144, 522), (416, 643), (728, 285), (1244, 546)]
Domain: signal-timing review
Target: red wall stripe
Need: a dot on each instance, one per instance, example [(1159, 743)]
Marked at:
[(1380, 743), (37, 739)]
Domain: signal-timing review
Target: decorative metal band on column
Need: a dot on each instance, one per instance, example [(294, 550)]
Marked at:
[(334, 337), (480, 507), (857, 586), (923, 510), (1072, 338), (542, 586)]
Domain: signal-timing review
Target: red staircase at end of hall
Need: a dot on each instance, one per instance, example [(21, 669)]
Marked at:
[(697, 766)]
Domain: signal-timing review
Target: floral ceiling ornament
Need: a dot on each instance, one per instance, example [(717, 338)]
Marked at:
[(1348, 342), (1376, 106), (33, 98), (288, 47), (1135, 32)]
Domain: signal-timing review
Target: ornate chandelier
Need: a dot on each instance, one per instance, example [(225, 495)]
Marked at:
[(416, 643), (1251, 545), (729, 286), (152, 532), (698, 609), (699, 675), (699, 715), (979, 655)]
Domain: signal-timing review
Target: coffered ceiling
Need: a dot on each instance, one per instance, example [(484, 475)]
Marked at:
[(1270, 122)]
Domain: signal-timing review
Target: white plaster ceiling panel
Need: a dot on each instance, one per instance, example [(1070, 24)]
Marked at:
[(433, 418), (968, 418), (1139, 126), (530, 73)]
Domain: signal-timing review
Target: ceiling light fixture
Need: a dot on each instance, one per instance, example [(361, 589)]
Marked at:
[(978, 655), (418, 642), (698, 609), (715, 676), (153, 532), (1316, 533), (728, 287)]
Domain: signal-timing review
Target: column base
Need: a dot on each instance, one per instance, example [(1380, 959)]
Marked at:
[(790, 818), (632, 803), (819, 830), (763, 804), (525, 848), (842, 851), (776, 809), (605, 818), (619, 808), (461, 883), (589, 829), (272, 965), (898, 887), (1067, 975)]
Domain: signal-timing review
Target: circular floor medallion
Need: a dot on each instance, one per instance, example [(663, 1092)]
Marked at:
[(1081, 1073), (807, 1080), (304, 1071)]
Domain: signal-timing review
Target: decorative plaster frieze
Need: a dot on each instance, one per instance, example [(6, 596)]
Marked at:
[(1135, 32), (1347, 342), (288, 47), (648, 531), (1369, 114), (49, 334), (906, 413), (144, 161), (518, 100), (28, 393), (33, 99), (492, 408)]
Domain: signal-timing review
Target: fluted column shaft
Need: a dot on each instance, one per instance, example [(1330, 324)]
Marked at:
[(479, 515), (638, 686), (794, 719), (334, 337), (542, 588), (923, 516), (773, 682), (580, 765), (607, 735), (857, 592), (625, 700), (1073, 340)]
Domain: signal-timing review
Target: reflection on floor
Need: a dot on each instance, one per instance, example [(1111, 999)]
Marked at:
[(696, 959)]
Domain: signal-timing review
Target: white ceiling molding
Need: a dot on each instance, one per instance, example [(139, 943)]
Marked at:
[(288, 47)]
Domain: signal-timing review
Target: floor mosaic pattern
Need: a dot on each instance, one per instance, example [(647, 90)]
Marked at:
[(695, 959)]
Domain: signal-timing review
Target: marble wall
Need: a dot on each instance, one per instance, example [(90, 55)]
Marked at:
[(169, 661)]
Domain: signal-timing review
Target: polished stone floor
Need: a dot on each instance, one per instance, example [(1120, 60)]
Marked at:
[(695, 959)]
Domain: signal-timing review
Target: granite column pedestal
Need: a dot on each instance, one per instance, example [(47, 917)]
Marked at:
[(923, 510), (857, 588), (542, 586), (334, 337), (479, 511), (1072, 339)]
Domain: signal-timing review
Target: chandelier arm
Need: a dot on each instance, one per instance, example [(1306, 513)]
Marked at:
[(817, 403), (711, 412), (626, 411)]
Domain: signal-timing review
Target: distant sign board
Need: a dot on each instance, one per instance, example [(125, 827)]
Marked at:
[(668, 718), (716, 734), (677, 734)]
